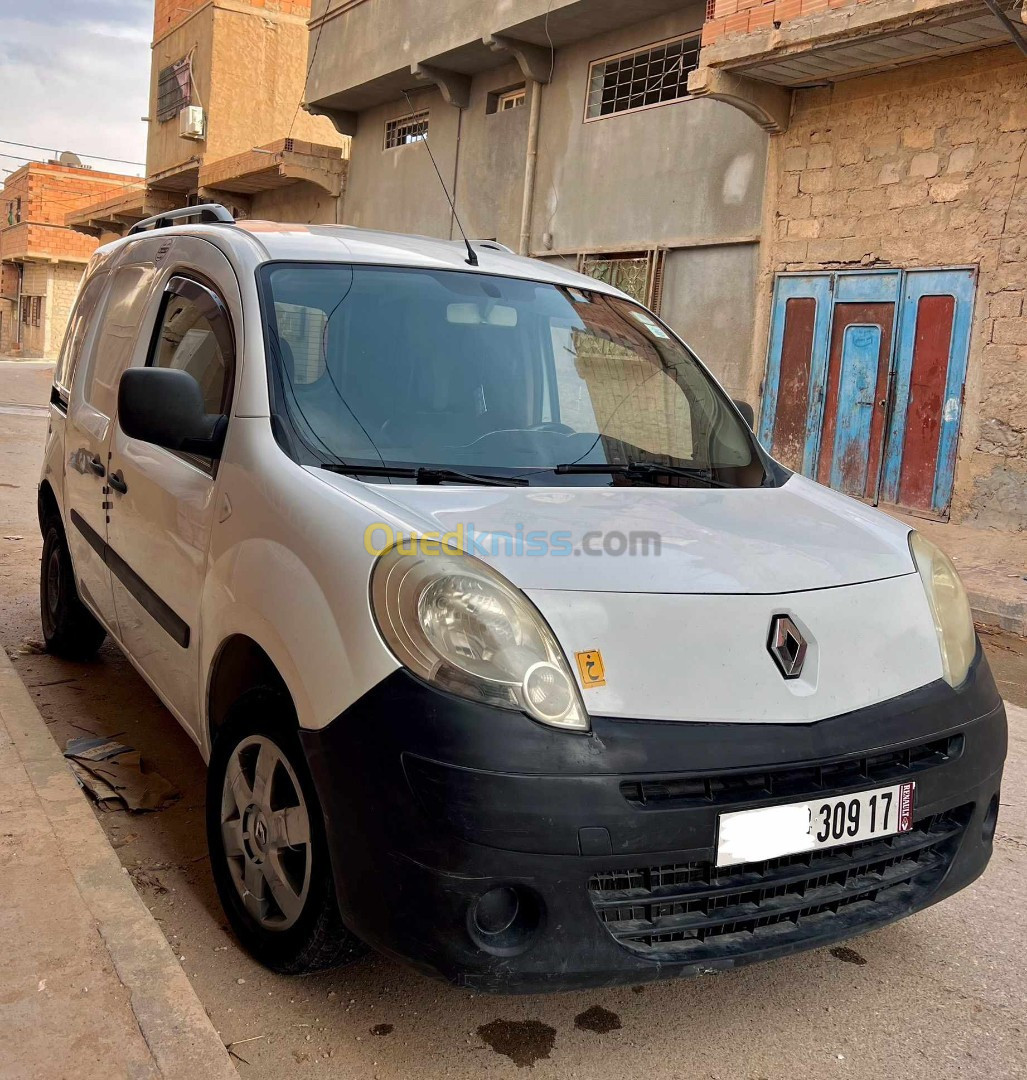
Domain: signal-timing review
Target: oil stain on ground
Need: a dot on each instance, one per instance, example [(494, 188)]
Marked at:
[(849, 956), (597, 1019), (523, 1041), (382, 1029)]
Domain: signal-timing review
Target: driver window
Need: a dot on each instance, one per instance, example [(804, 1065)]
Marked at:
[(187, 340)]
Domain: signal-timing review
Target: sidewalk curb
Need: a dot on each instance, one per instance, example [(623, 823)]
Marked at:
[(177, 1030), (991, 610)]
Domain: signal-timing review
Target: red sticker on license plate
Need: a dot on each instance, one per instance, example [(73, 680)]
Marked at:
[(905, 807)]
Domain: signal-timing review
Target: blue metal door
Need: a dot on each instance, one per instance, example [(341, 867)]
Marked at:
[(846, 404), (850, 457)]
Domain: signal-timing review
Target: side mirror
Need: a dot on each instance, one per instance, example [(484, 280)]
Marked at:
[(747, 411), (164, 406)]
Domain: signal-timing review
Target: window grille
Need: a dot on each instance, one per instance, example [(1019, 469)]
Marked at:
[(406, 129), (639, 274), (639, 80), (174, 89), (37, 310)]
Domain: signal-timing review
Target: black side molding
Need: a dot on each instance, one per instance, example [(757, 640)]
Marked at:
[(176, 627)]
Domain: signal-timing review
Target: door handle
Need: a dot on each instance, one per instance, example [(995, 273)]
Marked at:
[(117, 482), (97, 465)]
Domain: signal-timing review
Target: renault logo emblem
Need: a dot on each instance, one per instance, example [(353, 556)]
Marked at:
[(787, 646)]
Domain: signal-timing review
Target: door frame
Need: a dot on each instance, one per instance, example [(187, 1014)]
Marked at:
[(831, 286)]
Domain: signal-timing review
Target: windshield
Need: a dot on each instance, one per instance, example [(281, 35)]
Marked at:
[(384, 366)]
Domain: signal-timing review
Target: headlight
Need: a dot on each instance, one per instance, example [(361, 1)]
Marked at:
[(455, 622), (946, 596)]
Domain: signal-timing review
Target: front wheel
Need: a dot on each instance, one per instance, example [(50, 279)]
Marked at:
[(266, 837), (69, 628)]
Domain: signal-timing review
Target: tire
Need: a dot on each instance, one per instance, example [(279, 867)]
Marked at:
[(69, 628), (266, 838)]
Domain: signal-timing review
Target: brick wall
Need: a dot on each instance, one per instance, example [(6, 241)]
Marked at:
[(167, 14), (48, 193), (926, 166), (743, 16)]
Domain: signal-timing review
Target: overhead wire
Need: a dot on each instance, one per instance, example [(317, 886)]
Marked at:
[(51, 150)]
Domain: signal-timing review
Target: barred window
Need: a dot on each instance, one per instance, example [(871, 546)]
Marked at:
[(406, 129), (37, 308), (174, 89), (638, 273), (637, 80)]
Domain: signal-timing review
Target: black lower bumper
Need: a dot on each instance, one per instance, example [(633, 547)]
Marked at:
[(594, 854)]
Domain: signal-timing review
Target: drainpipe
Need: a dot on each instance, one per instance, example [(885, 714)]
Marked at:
[(17, 306), (530, 165)]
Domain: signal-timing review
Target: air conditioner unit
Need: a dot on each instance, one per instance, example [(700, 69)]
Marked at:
[(191, 122)]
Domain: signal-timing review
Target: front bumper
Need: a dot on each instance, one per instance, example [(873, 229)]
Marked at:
[(603, 844)]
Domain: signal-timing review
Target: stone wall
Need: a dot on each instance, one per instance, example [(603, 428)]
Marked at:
[(925, 167)]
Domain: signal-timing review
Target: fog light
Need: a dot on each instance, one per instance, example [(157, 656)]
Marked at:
[(496, 910), (504, 920)]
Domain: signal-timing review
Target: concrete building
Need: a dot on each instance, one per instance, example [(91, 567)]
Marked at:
[(224, 119), (890, 337), (565, 130), (41, 260)]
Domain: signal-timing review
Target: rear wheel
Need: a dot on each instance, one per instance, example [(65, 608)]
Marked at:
[(69, 628), (268, 850)]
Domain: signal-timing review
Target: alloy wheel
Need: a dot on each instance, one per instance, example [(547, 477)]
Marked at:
[(265, 828)]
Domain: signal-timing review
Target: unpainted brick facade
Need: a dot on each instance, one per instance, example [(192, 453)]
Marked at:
[(925, 167), (42, 260)]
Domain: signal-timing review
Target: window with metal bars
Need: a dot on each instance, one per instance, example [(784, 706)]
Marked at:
[(174, 89), (406, 129), (651, 76), (37, 310), (637, 273)]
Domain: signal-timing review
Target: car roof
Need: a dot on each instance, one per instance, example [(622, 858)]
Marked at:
[(254, 241)]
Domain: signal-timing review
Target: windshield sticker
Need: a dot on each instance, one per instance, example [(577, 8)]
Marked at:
[(590, 666), (647, 322)]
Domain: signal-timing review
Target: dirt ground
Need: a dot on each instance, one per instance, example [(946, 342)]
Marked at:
[(938, 995)]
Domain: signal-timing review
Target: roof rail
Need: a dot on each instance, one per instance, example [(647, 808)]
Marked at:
[(494, 245), (208, 213)]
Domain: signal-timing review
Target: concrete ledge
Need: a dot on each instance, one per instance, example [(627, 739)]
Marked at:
[(181, 1040), (991, 610)]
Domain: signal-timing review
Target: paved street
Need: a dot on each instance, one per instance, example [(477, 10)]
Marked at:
[(939, 995)]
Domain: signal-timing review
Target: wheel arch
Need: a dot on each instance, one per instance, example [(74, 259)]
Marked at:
[(240, 664), (47, 505)]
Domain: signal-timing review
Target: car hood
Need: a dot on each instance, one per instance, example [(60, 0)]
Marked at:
[(792, 538)]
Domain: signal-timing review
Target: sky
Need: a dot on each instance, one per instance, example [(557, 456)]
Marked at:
[(74, 75)]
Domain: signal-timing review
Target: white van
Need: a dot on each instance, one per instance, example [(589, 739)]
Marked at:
[(513, 654)]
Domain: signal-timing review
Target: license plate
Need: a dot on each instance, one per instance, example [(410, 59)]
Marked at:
[(769, 832)]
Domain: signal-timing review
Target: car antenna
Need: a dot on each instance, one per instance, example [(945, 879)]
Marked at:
[(472, 258)]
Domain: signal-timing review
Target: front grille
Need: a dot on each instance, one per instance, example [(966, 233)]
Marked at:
[(794, 781), (695, 911)]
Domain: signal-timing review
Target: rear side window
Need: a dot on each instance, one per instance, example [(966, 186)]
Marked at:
[(116, 340), (191, 338), (78, 328)]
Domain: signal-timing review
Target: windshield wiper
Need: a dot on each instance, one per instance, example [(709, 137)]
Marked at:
[(425, 475), (641, 469)]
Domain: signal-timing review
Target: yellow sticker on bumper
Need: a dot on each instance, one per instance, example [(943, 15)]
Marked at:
[(590, 666)]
